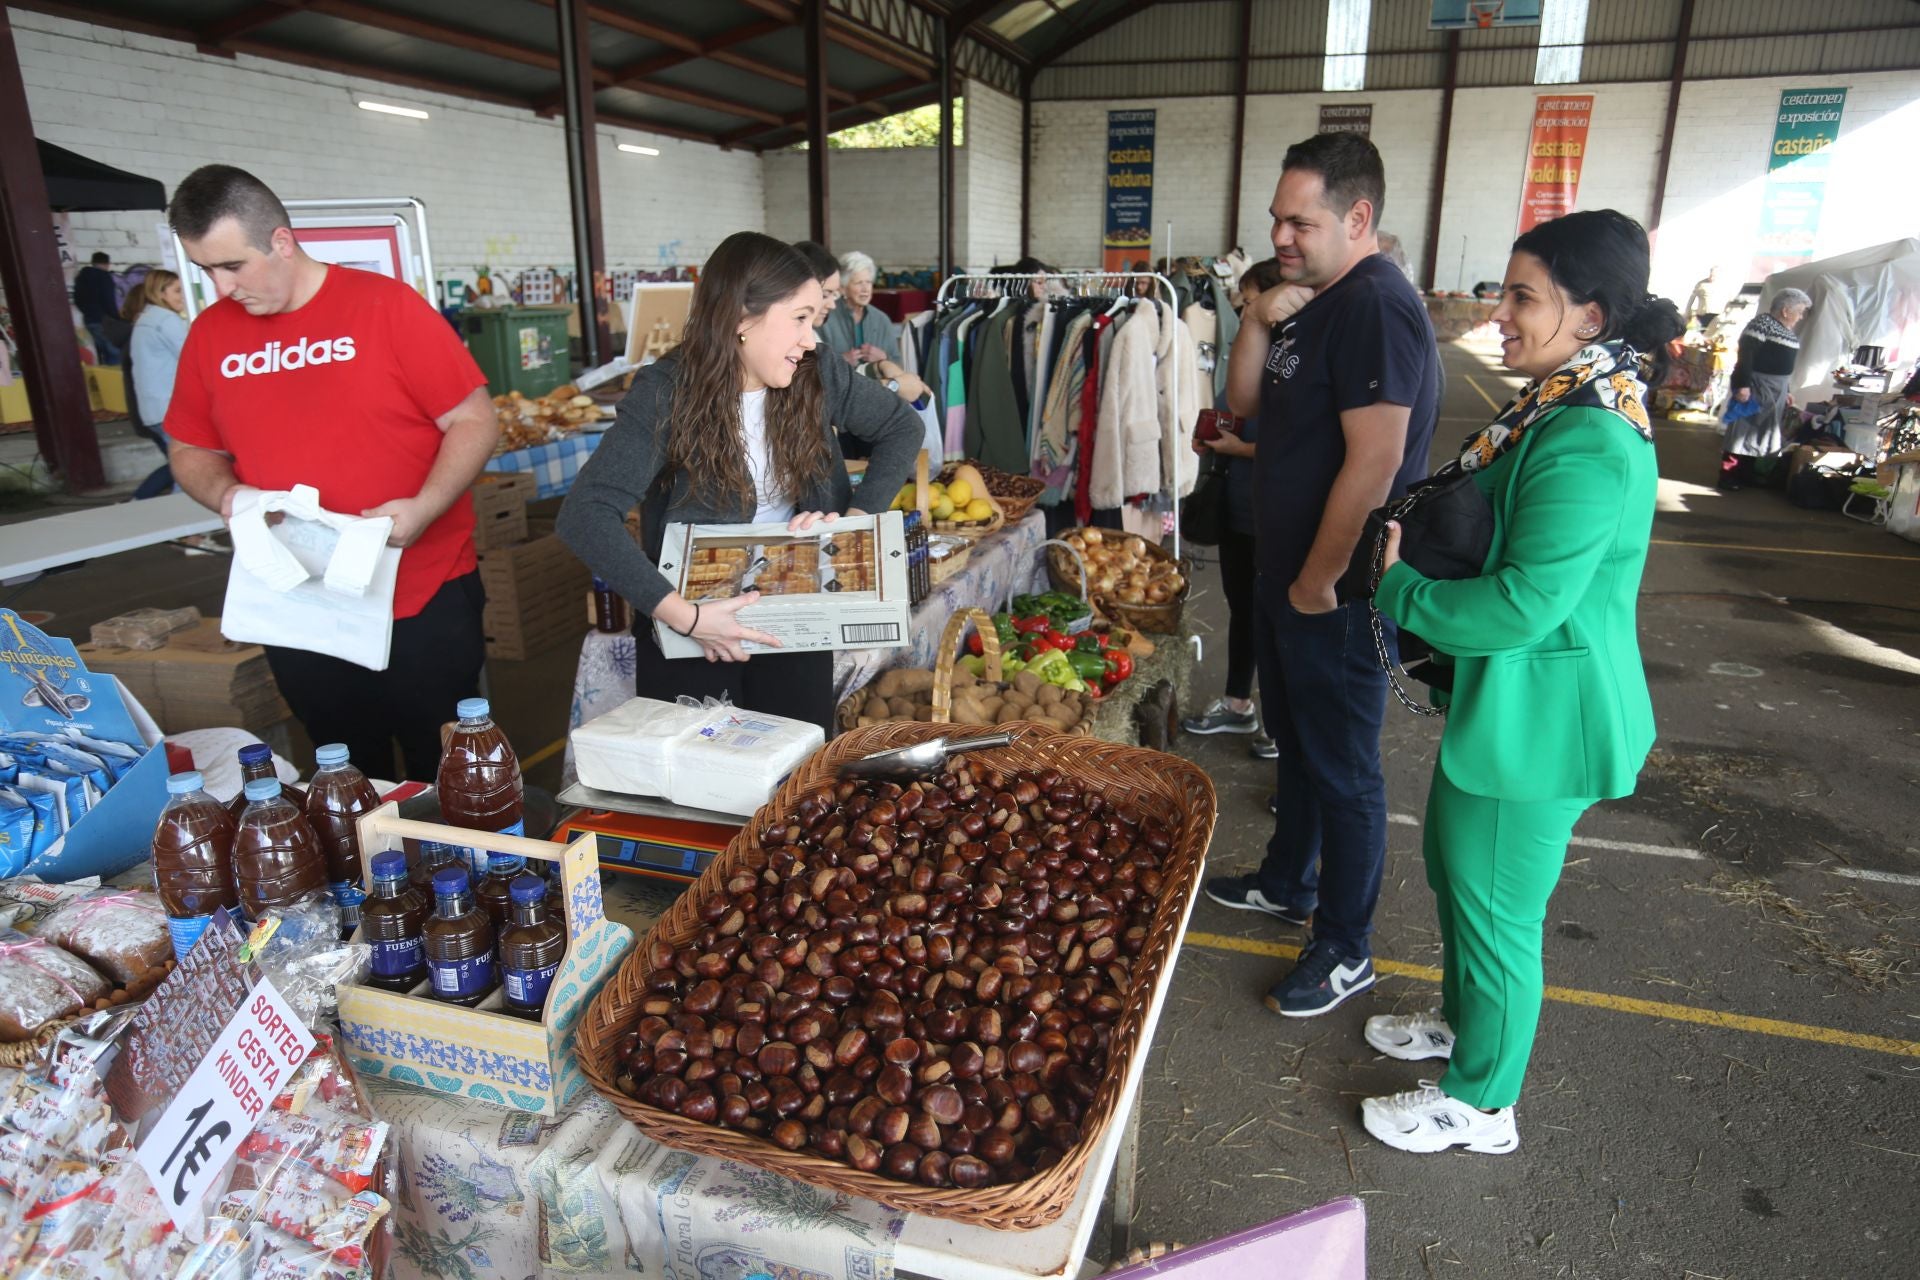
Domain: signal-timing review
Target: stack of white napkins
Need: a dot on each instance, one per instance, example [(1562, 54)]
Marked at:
[(704, 757)]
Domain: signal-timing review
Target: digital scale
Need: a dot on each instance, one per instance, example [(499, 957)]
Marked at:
[(644, 835)]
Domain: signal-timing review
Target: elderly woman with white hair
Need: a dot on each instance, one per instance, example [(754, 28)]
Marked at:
[(1769, 349), (856, 328)]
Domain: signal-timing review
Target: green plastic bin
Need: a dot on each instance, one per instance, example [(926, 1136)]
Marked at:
[(524, 349)]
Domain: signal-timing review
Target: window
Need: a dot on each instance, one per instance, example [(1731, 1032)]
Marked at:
[(1346, 65), (1563, 31)]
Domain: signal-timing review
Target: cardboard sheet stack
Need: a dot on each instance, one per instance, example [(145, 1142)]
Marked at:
[(197, 680)]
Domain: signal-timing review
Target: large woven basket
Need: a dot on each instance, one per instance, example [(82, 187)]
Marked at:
[(849, 711), (923, 499), (20, 1054), (1015, 495), (1170, 789), (1161, 619)]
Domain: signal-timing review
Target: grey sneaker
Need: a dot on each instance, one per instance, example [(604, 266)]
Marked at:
[(1262, 748), (1220, 718)]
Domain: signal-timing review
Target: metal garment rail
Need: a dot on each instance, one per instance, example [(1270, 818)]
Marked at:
[(994, 285)]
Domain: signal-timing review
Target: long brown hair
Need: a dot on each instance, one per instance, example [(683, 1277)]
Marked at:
[(747, 274), (148, 293)]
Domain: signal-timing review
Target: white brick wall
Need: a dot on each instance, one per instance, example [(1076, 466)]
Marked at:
[(989, 192), (1720, 152), (494, 179), (1486, 166), (882, 203), (1192, 137)]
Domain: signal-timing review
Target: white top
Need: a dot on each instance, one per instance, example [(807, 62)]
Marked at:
[(770, 507)]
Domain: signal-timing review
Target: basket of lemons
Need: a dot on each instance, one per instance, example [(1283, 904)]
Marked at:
[(960, 506)]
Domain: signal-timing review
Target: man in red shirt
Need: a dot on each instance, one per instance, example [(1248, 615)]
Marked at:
[(304, 373)]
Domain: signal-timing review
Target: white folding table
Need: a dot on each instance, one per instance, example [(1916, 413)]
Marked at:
[(48, 542)]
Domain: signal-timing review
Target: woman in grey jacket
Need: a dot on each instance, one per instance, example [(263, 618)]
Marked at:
[(737, 425)]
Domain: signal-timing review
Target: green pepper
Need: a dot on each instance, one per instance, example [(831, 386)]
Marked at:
[(1003, 625), (1089, 642), (1087, 664)]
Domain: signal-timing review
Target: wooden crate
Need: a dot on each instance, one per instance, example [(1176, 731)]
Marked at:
[(500, 501), (534, 594)]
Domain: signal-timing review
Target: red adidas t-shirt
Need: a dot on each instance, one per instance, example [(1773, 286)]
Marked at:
[(343, 395)]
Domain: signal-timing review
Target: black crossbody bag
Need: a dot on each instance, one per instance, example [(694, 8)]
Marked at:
[(1446, 531)]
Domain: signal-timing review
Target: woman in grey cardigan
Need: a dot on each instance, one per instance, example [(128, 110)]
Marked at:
[(737, 425)]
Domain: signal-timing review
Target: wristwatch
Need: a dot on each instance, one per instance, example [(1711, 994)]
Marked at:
[(893, 385)]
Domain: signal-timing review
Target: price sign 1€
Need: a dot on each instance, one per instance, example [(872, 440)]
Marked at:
[(253, 1057)]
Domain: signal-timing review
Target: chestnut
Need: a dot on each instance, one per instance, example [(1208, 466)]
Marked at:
[(943, 1103), (790, 1134), (969, 1172)]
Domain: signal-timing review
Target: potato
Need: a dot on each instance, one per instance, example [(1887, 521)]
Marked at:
[(1019, 701), (900, 682), (875, 708), (865, 722), (964, 676), (924, 715), (1050, 693), (1028, 683), (901, 707), (992, 707), (969, 711), (1009, 715)]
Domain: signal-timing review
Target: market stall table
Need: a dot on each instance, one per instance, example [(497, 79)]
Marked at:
[(33, 546), (490, 1193), (553, 466), (1003, 565)]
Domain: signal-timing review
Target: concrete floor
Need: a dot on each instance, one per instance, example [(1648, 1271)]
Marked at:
[(1727, 1077)]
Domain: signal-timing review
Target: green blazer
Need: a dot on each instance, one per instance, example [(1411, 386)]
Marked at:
[(1549, 698)]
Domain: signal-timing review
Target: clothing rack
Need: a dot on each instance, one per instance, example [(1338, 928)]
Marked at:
[(995, 284)]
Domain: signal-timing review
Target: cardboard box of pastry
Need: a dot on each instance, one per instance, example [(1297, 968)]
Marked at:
[(838, 586)]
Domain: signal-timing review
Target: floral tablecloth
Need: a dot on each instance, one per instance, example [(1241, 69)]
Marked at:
[(1005, 565), (487, 1194)]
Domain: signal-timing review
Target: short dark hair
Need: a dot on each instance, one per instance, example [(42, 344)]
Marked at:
[(102, 259), (1262, 275), (1350, 167), (1602, 256), (217, 191), (818, 257)]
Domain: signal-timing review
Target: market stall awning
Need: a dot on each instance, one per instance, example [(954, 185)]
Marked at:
[(76, 184)]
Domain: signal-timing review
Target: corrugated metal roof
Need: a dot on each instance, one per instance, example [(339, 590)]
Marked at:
[(1756, 17)]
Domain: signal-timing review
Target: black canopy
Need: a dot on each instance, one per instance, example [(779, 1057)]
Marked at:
[(79, 185)]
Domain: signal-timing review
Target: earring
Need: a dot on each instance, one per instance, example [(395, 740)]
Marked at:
[(742, 336), (1587, 332)]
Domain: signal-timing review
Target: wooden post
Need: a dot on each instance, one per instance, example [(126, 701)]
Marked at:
[(37, 292), (818, 203), (1657, 214), (583, 178), (1235, 161), (1440, 158)]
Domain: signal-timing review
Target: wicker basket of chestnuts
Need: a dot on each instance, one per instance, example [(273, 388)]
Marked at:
[(928, 994)]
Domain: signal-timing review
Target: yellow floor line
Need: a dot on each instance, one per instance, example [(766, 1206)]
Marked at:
[(1602, 1000), (1491, 402), (1784, 551), (544, 754)]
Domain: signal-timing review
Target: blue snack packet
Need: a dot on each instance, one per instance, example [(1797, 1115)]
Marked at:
[(16, 833)]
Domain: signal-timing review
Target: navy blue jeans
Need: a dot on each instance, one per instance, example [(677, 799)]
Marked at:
[(1324, 697)]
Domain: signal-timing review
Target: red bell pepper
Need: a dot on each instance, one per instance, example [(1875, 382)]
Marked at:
[(1029, 626), (976, 646), (1119, 665)]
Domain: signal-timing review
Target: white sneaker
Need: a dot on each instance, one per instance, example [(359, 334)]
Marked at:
[(1426, 1119), (1410, 1037)]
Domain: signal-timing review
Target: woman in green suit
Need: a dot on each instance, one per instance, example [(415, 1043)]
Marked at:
[(1548, 712)]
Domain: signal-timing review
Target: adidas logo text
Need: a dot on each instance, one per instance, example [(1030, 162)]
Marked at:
[(276, 357)]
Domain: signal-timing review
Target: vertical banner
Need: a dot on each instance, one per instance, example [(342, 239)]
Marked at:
[(1555, 154), (1347, 117), (1129, 230), (1804, 129)]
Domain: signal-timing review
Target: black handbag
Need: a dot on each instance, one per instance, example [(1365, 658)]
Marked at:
[(1203, 513), (1446, 531)]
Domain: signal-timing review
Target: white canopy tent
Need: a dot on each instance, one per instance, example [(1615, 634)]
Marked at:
[(1870, 297)]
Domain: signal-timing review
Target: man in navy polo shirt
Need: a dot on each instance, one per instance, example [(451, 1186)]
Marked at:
[(1340, 367)]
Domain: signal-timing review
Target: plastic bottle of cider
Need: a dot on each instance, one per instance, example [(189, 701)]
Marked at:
[(531, 949), (393, 921), (460, 960), (192, 860), (479, 782), (338, 798), (256, 761), (492, 891), (276, 856)]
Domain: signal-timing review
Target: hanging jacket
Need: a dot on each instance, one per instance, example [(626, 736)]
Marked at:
[(1227, 326), (1056, 444), (1098, 343), (1178, 369), (1126, 452), (996, 434)]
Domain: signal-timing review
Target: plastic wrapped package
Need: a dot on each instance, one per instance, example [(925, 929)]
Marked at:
[(121, 932), (39, 983), (631, 748), (25, 901), (142, 628), (307, 961), (734, 761)]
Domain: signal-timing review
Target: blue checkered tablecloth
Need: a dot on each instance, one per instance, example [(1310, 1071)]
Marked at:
[(553, 466)]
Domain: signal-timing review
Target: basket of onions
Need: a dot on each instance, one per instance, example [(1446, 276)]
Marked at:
[(1134, 582)]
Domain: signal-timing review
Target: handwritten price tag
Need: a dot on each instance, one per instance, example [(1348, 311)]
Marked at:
[(222, 1101)]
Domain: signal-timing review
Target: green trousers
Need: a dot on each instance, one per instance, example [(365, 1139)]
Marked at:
[(1492, 865)]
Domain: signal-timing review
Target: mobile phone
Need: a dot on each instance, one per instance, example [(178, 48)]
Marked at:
[(1213, 423)]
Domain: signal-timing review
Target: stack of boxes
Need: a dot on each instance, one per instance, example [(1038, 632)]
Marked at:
[(197, 680), (534, 584)]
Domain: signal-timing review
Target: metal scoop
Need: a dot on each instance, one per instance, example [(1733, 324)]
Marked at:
[(903, 764)]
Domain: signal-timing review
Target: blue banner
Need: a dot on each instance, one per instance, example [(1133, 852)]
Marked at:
[(1129, 231)]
